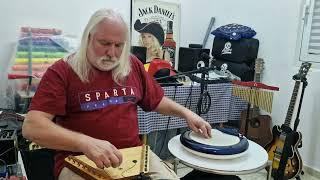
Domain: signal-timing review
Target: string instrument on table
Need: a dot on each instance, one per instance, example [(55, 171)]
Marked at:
[(259, 126), (286, 141), (134, 165)]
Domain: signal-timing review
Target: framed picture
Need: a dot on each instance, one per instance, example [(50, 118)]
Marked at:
[(155, 25)]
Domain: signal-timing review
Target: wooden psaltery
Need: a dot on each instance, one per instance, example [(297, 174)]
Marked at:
[(135, 162)]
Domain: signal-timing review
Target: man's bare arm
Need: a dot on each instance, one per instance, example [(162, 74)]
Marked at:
[(39, 128), (195, 122)]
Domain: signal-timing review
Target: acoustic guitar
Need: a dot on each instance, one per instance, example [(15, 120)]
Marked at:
[(286, 141), (259, 126)]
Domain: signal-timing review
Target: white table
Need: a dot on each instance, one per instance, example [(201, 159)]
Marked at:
[(254, 160)]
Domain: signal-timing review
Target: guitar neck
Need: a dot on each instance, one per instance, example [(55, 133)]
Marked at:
[(292, 104), (255, 109), (257, 77)]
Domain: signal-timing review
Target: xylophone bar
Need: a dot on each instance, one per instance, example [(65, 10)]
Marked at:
[(257, 97), (24, 76)]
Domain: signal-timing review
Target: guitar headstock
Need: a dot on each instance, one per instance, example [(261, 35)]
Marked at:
[(303, 71), (259, 65)]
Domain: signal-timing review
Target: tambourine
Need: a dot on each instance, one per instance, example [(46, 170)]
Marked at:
[(224, 143)]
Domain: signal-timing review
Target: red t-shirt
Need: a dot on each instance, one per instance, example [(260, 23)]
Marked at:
[(101, 108)]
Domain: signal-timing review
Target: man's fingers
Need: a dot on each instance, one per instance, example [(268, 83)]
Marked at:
[(118, 154), (208, 127), (99, 163), (205, 130), (115, 162), (106, 161)]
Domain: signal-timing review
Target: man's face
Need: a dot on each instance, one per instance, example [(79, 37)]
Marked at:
[(105, 44)]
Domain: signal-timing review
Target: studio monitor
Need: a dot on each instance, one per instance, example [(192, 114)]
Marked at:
[(190, 58), (140, 52)]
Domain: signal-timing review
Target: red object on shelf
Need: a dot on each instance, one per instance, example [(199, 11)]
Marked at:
[(158, 64), (256, 85)]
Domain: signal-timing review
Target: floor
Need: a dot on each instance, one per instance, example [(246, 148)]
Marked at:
[(183, 170)]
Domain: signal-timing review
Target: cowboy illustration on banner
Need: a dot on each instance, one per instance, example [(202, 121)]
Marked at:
[(152, 37), (155, 25)]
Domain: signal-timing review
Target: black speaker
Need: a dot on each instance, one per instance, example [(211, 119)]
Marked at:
[(8, 148), (189, 58), (39, 164), (140, 52)]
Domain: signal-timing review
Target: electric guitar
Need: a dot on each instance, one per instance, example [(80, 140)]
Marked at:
[(286, 141), (259, 126)]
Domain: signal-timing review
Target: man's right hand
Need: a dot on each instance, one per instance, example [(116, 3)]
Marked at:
[(101, 152)]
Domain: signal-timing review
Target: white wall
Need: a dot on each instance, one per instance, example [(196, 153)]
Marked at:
[(71, 16), (276, 23)]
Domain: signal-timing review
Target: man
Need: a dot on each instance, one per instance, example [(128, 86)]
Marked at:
[(93, 96)]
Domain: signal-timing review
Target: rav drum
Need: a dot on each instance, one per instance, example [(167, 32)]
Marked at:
[(223, 144)]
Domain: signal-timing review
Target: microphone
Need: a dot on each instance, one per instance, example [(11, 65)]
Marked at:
[(205, 56)]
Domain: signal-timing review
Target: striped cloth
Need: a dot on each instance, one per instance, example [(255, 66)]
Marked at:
[(224, 107)]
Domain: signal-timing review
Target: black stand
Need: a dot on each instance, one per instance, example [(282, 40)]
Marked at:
[(297, 120), (279, 174), (204, 102), (247, 119)]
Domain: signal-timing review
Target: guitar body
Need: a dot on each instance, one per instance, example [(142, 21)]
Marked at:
[(259, 126), (294, 164), (259, 129)]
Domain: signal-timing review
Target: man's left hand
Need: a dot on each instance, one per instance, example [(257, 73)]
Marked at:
[(199, 125)]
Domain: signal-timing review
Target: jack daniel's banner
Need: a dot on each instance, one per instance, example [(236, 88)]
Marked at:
[(156, 26)]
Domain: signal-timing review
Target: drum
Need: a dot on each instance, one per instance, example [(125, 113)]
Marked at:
[(224, 144)]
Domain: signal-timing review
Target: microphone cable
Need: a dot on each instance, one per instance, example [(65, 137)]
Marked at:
[(204, 102), (169, 118)]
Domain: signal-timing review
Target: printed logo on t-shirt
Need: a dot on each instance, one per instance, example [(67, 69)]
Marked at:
[(99, 99)]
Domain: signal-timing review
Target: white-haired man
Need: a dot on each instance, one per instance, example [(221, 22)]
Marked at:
[(93, 97)]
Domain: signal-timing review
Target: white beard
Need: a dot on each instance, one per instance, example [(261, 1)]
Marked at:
[(105, 63)]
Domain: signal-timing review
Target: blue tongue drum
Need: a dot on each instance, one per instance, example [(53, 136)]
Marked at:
[(207, 148)]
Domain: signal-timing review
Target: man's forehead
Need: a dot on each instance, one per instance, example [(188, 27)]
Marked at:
[(113, 22), (113, 30)]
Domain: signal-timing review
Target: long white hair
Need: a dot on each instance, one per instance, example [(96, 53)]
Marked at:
[(79, 61)]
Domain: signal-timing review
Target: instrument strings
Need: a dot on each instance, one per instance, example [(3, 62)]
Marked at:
[(126, 170)]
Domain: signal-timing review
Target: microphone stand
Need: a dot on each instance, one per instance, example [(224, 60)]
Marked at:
[(203, 87), (188, 73), (204, 97)]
